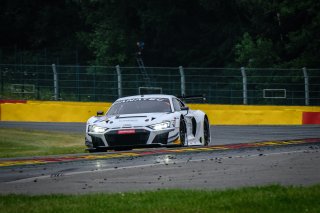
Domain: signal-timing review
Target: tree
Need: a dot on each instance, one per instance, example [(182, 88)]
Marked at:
[(256, 53), (280, 34)]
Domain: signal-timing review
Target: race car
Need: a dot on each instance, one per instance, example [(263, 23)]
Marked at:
[(147, 121)]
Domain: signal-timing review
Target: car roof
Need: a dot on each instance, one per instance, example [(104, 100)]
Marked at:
[(147, 96)]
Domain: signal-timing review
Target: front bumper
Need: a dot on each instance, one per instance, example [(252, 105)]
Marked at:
[(142, 137)]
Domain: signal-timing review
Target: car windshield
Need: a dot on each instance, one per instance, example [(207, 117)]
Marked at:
[(140, 105)]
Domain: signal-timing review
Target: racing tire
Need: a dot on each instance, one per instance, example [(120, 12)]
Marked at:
[(183, 132), (206, 131)]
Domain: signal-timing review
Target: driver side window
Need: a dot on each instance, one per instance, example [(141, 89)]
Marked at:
[(177, 104)]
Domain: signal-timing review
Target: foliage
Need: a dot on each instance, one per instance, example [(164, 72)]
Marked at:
[(282, 34), (258, 53), (198, 33)]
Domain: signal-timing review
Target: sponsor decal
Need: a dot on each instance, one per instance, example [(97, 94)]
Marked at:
[(126, 131), (141, 99)]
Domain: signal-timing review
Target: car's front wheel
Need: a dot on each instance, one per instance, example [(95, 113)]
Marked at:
[(183, 132), (206, 131)]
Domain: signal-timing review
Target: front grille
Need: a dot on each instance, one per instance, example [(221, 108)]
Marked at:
[(140, 137)]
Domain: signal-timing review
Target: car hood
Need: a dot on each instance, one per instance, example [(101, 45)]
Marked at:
[(131, 120)]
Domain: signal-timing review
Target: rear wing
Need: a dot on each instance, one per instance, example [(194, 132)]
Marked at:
[(193, 98)]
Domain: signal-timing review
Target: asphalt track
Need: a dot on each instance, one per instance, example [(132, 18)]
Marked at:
[(289, 155)]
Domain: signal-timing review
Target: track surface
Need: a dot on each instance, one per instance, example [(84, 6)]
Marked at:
[(202, 169)]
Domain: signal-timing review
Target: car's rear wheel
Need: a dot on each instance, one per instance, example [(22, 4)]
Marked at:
[(206, 131), (183, 132)]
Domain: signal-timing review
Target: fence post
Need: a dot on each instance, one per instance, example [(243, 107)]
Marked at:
[(244, 85), (119, 81), (55, 82), (94, 84), (78, 82), (306, 86), (182, 81)]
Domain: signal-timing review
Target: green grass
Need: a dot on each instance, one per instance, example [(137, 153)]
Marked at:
[(254, 199), (22, 143)]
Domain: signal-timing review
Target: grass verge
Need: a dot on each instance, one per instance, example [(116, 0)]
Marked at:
[(252, 199), (22, 143)]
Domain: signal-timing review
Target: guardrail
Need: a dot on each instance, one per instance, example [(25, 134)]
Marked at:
[(60, 111)]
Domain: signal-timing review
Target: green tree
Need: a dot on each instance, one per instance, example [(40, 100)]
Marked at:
[(198, 33), (282, 34), (256, 53)]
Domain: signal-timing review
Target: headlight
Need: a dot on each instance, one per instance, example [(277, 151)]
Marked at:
[(97, 129), (160, 126)]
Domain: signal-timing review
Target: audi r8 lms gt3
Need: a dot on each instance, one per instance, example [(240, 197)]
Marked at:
[(147, 120)]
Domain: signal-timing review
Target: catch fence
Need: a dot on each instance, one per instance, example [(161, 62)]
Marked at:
[(106, 84)]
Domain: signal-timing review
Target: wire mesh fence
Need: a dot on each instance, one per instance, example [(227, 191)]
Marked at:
[(219, 85)]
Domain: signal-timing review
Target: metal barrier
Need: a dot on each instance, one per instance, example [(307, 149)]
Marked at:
[(220, 85)]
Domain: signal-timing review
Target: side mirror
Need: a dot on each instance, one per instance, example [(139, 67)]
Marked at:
[(184, 108), (100, 113)]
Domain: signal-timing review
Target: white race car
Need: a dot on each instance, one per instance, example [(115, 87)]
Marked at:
[(146, 121)]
